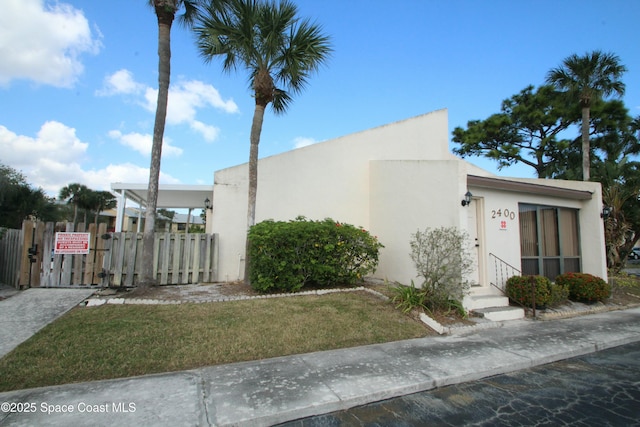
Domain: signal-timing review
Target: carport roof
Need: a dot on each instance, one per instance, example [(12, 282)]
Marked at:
[(169, 195)]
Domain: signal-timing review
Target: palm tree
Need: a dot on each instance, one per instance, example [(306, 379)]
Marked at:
[(99, 201), (587, 79), (280, 52), (165, 12), (75, 194)]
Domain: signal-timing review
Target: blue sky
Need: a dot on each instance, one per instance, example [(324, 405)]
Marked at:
[(78, 80)]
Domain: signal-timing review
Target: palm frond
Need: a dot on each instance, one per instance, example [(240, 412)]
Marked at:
[(265, 35)]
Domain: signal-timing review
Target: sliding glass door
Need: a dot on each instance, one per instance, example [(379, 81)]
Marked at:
[(549, 242)]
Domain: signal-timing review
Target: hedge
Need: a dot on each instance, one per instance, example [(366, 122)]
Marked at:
[(518, 289), (286, 256), (584, 287)]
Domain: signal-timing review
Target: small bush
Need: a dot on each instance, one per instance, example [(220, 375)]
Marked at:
[(519, 290), (559, 295), (442, 259), (285, 256), (407, 298), (584, 287)]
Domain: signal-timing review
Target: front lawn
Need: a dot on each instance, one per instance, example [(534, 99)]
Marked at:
[(114, 341)]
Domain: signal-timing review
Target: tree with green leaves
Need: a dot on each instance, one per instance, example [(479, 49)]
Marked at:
[(615, 142), (165, 11), (587, 79), (164, 219), (20, 201), (613, 136), (75, 194), (525, 131), (99, 201), (279, 50)]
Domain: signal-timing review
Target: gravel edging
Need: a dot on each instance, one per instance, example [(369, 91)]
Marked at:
[(567, 311), (96, 302), (584, 309)]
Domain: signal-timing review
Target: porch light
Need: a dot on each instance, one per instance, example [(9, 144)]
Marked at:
[(207, 203), (606, 211), (467, 199)]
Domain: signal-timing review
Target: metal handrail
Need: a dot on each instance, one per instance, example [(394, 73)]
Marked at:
[(504, 270)]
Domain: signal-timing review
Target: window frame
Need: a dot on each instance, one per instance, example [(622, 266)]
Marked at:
[(563, 260)]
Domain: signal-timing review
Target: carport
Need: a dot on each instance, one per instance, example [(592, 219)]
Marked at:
[(170, 196)]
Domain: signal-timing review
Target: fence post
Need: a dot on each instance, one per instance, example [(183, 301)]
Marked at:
[(28, 259)]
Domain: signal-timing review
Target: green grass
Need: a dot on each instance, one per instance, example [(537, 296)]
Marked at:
[(114, 341)]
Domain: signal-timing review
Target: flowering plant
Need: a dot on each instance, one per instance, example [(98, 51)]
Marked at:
[(584, 287)]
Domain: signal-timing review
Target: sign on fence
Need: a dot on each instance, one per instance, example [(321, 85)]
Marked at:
[(71, 244), (100, 258)]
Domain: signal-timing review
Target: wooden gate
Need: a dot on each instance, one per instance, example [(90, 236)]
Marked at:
[(114, 259)]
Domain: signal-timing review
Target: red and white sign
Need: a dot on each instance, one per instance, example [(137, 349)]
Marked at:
[(71, 244)]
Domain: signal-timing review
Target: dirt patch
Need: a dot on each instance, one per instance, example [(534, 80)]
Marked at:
[(624, 296), (184, 293)]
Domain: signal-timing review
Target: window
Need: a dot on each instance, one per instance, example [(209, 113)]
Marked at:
[(549, 243)]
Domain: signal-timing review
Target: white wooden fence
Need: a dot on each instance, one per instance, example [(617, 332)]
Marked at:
[(114, 259), (10, 250)]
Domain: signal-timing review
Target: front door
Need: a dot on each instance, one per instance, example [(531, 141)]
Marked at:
[(476, 234)]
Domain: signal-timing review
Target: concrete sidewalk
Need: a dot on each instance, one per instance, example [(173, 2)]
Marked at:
[(24, 313), (276, 390)]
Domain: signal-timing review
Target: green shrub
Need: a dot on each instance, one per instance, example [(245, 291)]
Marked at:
[(519, 290), (559, 295), (584, 287), (285, 256)]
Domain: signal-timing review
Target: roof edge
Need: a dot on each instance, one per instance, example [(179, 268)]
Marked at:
[(527, 187)]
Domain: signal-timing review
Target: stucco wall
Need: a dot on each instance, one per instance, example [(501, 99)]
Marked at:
[(505, 242), (407, 196), (329, 179), (392, 180)]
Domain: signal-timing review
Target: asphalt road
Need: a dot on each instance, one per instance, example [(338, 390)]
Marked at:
[(599, 389)]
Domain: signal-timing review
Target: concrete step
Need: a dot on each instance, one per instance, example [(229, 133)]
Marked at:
[(499, 314), (473, 302)]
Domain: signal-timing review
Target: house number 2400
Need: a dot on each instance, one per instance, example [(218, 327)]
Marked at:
[(503, 213)]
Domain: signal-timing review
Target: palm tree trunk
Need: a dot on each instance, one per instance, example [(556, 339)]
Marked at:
[(256, 130), (586, 164), (165, 19)]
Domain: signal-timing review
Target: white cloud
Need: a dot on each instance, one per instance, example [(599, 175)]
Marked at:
[(125, 172), (54, 158), (301, 141), (43, 43), (120, 82), (142, 143), (54, 141), (52, 176), (185, 99), (208, 132), (206, 95)]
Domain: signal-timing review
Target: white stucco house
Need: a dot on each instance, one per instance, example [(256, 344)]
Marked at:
[(401, 177)]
